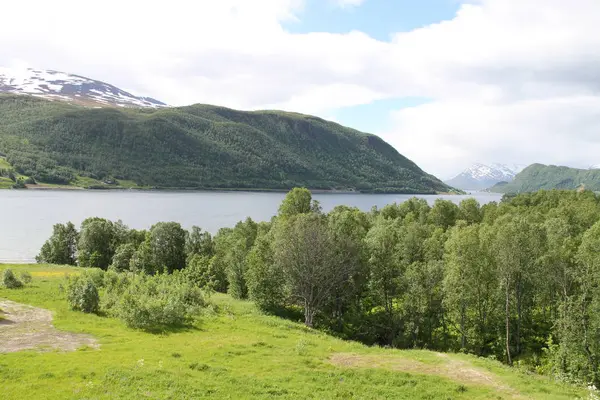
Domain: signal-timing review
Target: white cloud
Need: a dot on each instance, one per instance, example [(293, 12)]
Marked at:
[(510, 80)]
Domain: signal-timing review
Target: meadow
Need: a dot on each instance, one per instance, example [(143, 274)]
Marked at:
[(232, 351)]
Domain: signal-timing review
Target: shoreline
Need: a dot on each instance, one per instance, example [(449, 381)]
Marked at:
[(225, 190)]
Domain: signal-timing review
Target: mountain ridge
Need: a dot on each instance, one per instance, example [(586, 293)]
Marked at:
[(547, 177), (77, 89), (199, 147), (482, 176)]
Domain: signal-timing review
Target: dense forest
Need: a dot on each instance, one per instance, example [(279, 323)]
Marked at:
[(548, 177), (515, 280), (199, 147)]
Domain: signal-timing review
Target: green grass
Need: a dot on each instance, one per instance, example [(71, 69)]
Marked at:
[(4, 164), (234, 352), (5, 183)]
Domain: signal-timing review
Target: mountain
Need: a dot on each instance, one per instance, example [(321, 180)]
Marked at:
[(539, 176), (54, 85), (199, 146), (481, 176)]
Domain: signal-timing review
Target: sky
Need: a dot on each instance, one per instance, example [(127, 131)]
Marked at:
[(446, 82)]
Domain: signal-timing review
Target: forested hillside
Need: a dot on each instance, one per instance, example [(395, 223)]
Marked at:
[(199, 146), (515, 281), (547, 177)]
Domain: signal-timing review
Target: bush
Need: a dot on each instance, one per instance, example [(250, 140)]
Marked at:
[(155, 303), (115, 285), (9, 280), (26, 277), (96, 275), (82, 294)]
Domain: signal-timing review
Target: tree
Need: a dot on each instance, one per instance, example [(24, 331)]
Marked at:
[(422, 299), (61, 247), (96, 245), (443, 213), (469, 210), (199, 273), (236, 249), (298, 201), (265, 279), (386, 274), (303, 250), (578, 326), (347, 230), (122, 259), (142, 260), (470, 288), (199, 243), (517, 247), (166, 242)]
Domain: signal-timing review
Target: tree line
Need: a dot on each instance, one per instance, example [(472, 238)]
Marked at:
[(515, 280)]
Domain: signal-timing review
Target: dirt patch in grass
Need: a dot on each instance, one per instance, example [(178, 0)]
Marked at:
[(450, 368), (24, 327)]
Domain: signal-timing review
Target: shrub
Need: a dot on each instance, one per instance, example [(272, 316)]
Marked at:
[(26, 277), (82, 294), (155, 303), (115, 285), (96, 275), (9, 280)]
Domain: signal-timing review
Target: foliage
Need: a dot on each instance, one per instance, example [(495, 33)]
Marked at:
[(121, 261), (199, 146), (61, 247), (96, 245), (155, 303), (82, 294), (166, 241), (9, 280)]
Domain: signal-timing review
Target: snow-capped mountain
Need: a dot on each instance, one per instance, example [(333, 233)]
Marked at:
[(482, 176), (54, 85)]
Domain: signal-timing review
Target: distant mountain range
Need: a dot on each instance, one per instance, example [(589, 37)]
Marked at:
[(54, 85), (538, 176), (481, 176)]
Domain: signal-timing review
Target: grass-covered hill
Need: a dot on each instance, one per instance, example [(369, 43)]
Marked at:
[(231, 352), (547, 177), (198, 146)]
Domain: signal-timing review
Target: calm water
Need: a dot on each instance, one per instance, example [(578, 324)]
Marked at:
[(28, 215)]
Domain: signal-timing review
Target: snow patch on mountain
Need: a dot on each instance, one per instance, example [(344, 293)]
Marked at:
[(56, 85), (482, 176)]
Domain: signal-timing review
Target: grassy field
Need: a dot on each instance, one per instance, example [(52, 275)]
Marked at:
[(234, 352)]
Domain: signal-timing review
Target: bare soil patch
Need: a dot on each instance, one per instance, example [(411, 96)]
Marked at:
[(25, 327), (450, 368)]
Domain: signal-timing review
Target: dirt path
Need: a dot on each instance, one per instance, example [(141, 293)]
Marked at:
[(451, 368), (25, 327)]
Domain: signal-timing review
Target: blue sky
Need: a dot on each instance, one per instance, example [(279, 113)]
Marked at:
[(379, 19)]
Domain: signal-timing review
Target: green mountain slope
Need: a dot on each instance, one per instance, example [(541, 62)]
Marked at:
[(199, 146), (547, 177)]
